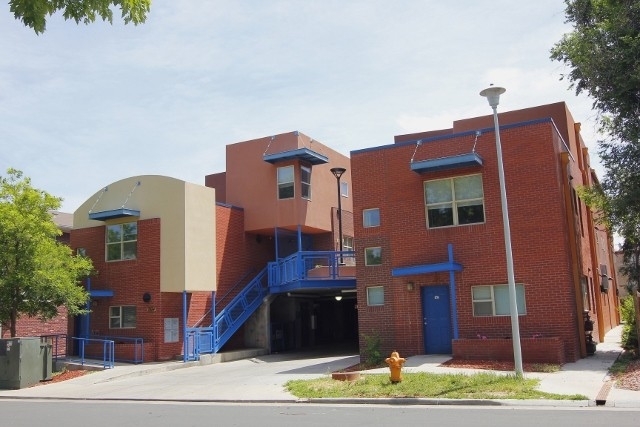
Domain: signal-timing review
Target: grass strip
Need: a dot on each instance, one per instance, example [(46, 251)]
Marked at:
[(426, 385)]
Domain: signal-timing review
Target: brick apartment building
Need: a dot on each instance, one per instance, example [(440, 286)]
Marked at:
[(170, 253), (431, 268), (252, 258)]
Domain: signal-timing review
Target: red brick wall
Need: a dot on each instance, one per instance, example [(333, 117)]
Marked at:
[(382, 178), (239, 258), (534, 350), (33, 326), (130, 280)]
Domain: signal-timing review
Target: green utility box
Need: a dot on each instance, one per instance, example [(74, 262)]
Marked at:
[(24, 362)]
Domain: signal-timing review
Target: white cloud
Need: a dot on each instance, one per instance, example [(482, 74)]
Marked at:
[(83, 106)]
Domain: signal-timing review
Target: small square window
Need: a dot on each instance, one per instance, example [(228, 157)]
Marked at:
[(373, 256), (371, 217), (375, 295), (121, 317)]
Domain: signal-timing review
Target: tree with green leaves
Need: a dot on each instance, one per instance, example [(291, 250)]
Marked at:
[(34, 13), (603, 53), (38, 274)]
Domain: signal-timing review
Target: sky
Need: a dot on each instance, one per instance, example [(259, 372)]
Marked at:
[(82, 106)]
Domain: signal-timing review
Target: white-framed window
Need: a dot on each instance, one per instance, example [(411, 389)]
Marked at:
[(347, 243), (122, 241), (373, 256), (371, 217), (375, 295), (305, 182), (285, 182), (493, 300), (344, 189), (122, 317), (454, 201)]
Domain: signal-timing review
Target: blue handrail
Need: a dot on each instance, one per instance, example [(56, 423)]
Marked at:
[(228, 321), (60, 342), (107, 352), (311, 264), (138, 347)]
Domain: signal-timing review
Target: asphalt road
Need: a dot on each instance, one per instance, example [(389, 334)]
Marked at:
[(18, 413)]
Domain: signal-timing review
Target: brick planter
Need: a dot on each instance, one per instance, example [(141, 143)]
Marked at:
[(534, 350)]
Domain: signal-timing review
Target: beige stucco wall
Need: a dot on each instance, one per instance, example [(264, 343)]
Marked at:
[(187, 214)]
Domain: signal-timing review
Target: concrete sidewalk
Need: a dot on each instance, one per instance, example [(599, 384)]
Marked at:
[(261, 379)]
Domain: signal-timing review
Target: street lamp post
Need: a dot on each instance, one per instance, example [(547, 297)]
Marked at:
[(493, 96), (337, 172)]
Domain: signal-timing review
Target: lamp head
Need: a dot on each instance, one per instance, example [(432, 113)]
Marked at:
[(337, 172), (492, 93)]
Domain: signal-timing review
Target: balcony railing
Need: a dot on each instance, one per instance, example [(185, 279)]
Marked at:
[(312, 265)]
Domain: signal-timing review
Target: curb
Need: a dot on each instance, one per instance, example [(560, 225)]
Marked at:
[(341, 401)]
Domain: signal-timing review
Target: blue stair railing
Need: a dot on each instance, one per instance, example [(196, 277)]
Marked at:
[(199, 340), (311, 264), (316, 265)]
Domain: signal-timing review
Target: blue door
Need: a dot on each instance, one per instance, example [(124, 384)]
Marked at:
[(436, 317)]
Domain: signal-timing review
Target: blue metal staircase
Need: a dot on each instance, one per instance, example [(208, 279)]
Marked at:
[(211, 339), (325, 270)]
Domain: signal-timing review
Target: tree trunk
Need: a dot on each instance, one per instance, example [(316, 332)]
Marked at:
[(636, 305), (12, 323), (636, 295)]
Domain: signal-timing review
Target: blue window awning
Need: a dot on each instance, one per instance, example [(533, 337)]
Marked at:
[(299, 154), (449, 162), (114, 214), (426, 268), (95, 293)]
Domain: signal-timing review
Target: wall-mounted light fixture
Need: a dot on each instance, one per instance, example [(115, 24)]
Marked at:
[(146, 297), (411, 286)]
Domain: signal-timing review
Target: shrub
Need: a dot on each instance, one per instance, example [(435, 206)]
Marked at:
[(371, 352), (628, 315)]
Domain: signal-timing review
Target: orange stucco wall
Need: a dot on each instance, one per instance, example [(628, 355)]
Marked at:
[(251, 183)]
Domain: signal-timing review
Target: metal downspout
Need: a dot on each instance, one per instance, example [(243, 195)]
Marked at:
[(184, 326), (574, 253), (452, 285), (213, 319)]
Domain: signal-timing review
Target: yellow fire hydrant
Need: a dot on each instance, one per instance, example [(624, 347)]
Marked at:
[(395, 363)]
